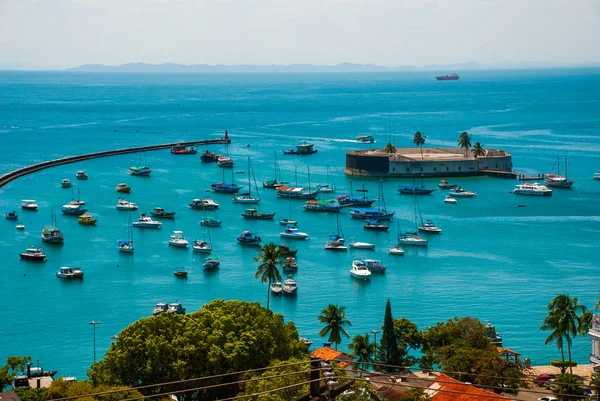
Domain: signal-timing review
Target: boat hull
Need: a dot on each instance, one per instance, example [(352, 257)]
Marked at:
[(35, 258)]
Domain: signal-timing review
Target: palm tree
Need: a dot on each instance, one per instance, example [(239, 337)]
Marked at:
[(419, 140), (362, 349), (464, 141), (478, 150), (267, 270), (389, 148), (334, 317)]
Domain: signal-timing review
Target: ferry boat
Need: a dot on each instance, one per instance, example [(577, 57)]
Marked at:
[(534, 189), (292, 232), (177, 308), (159, 212), (247, 238), (295, 193), (225, 188), (66, 183), (122, 187), (252, 214), (146, 222), (451, 77), (365, 139), (73, 210), (11, 215), (29, 204), (35, 254), (326, 206), (203, 204), (81, 175), (209, 157), (360, 271), (224, 161), (160, 307), (143, 171), (445, 185), (374, 266), (415, 190), (69, 273), (123, 204), (87, 219), (303, 149), (458, 192), (178, 240), (183, 150)]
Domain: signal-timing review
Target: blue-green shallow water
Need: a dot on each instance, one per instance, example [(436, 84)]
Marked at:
[(494, 260)]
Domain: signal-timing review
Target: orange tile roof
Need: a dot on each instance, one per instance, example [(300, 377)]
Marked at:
[(447, 389), (326, 353)]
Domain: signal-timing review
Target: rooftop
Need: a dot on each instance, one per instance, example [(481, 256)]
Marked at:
[(429, 154)]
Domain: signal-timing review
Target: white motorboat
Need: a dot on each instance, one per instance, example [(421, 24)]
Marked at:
[(178, 240), (29, 204), (204, 204), (396, 250), (450, 200), (201, 246), (429, 227), (534, 189), (292, 232), (412, 239), (361, 245), (146, 222), (290, 287), (69, 273), (360, 270), (276, 288), (123, 204)]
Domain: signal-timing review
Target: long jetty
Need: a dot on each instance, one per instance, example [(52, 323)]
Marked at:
[(13, 175)]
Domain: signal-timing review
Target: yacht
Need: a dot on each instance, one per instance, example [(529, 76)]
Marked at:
[(29, 204), (81, 175), (361, 245), (374, 266), (534, 189), (290, 287), (178, 240), (73, 210), (146, 222), (122, 187), (292, 232), (176, 307), (450, 200), (276, 288), (69, 273), (35, 254), (247, 238), (201, 246), (203, 204), (160, 308), (359, 270), (430, 227), (66, 183)]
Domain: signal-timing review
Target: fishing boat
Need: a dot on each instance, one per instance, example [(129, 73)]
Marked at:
[(361, 245), (374, 266), (87, 220), (290, 287), (66, 183), (183, 150), (34, 254), (365, 139), (124, 188), (209, 157), (203, 204), (325, 206), (210, 222), (534, 189), (177, 240), (81, 175), (444, 185), (11, 215), (252, 214), (283, 250), (375, 225), (557, 180), (301, 150), (247, 198), (276, 173), (290, 265), (276, 288), (126, 245), (429, 227), (123, 204), (176, 308), (458, 192), (52, 235), (247, 238), (144, 221), (360, 271), (450, 200), (160, 307), (159, 212), (29, 204), (224, 161), (73, 210), (69, 273), (293, 233), (211, 263), (180, 273), (336, 241)]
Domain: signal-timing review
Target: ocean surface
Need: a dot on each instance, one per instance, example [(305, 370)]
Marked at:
[(494, 260)]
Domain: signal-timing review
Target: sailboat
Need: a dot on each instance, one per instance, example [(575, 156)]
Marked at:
[(330, 186), (77, 201), (273, 183), (285, 221), (380, 213), (203, 246), (397, 249), (143, 171), (225, 188), (297, 192), (428, 226), (357, 201), (412, 237), (415, 189), (336, 241), (248, 198), (557, 180), (127, 245)]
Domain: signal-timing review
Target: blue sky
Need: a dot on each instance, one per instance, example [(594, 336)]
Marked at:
[(66, 33)]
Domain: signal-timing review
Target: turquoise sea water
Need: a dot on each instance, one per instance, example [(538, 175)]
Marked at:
[(494, 260)]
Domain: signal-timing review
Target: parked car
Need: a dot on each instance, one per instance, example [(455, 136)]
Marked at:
[(543, 379), (547, 398)]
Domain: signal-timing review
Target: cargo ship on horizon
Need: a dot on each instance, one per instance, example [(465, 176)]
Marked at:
[(452, 77)]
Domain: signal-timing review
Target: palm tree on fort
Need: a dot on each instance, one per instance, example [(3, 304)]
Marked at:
[(362, 349), (267, 270), (389, 148), (464, 141), (419, 140), (478, 150), (334, 317)]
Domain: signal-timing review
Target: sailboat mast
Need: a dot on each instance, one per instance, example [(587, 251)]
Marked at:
[(296, 174), (249, 183), (308, 178)]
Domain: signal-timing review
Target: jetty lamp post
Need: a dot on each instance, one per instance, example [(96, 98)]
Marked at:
[(94, 323), (375, 332)]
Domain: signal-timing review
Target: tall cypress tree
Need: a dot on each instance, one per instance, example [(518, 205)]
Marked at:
[(390, 354)]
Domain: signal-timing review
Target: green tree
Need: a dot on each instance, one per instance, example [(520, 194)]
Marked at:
[(415, 394), (464, 141), (419, 140), (82, 390), (281, 374), (267, 270), (478, 150), (334, 317), (567, 319), (362, 349), (567, 387), (389, 345), (14, 365), (389, 148), (408, 338), (222, 337)]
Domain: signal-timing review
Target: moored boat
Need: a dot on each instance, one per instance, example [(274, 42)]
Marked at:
[(396, 250), (11, 215), (284, 251), (225, 188), (557, 180), (452, 77), (247, 238), (201, 246), (361, 245), (29, 204), (596, 175), (290, 264), (180, 273), (159, 212), (208, 157), (211, 263), (81, 175), (177, 308), (375, 225), (445, 185), (534, 189), (290, 287), (177, 240), (458, 192), (252, 214), (87, 219), (371, 214), (52, 235), (123, 204), (122, 187), (412, 238), (183, 150), (203, 204), (292, 232), (73, 210), (429, 227), (336, 243), (35, 254), (415, 190), (143, 171), (210, 222), (276, 288), (327, 206), (296, 193), (69, 273), (285, 221), (449, 199), (20, 226), (301, 150), (374, 266), (160, 307), (360, 271), (224, 161), (66, 183), (144, 221)]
